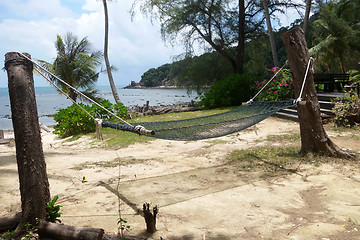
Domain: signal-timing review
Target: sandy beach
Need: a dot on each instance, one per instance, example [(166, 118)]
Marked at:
[(199, 195)]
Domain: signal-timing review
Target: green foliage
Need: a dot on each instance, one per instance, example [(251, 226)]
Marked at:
[(76, 64), (280, 88), (119, 109), (73, 120), (347, 110), (122, 223), (200, 71), (7, 235), (231, 91), (354, 76), (52, 211), (337, 35), (155, 77)]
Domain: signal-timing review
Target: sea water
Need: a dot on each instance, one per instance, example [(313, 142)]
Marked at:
[(49, 101)]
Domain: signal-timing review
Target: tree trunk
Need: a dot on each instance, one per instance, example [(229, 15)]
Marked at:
[(241, 39), (271, 34), (313, 135), (10, 223), (307, 15), (106, 57), (34, 185)]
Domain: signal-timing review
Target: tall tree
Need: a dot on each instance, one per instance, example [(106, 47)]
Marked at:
[(270, 33), (225, 25), (307, 15), (313, 135), (76, 64), (106, 57), (33, 180)]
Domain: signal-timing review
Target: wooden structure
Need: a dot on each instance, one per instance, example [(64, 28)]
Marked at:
[(331, 81)]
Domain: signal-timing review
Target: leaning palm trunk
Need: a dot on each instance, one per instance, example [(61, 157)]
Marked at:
[(307, 15), (107, 63), (270, 33)]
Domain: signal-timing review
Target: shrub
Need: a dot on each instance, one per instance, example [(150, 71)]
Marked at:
[(347, 110), (52, 211), (73, 120), (231, 91), (354, 76), (280, 88), (119, 109)]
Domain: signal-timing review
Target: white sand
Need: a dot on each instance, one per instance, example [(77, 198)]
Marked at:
[(196, 193)]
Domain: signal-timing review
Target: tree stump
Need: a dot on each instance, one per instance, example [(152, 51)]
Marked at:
[(313, 136), (150, 218)]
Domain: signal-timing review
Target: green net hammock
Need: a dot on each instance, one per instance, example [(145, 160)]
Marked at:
[(211, 126)]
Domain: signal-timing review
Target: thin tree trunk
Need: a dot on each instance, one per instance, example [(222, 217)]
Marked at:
[(271, 34), (313, 136), (241, 36), (106, 57), (34, 185), (307, 15)]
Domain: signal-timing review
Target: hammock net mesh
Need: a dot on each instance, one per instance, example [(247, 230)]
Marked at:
[(211, 126)]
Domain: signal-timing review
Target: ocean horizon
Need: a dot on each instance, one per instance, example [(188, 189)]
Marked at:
[(49, 101)]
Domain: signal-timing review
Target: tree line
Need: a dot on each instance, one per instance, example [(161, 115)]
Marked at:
[(333, 36)]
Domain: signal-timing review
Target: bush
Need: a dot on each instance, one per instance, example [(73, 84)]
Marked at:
[(73, 120), (347, 110), (119, 109), (231, 91), (280, 88)]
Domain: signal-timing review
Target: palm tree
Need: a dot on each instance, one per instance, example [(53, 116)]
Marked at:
[(307, 15), (338, 37), (76, 64), (107, 63)]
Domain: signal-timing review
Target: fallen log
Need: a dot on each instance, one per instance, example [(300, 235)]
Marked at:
[(65, 232), (157, 110)]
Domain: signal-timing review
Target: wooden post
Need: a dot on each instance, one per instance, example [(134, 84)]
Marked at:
[(34, 185), (313, 135)]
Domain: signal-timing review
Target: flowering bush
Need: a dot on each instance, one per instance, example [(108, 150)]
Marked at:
[(280, 88), (347, 110)]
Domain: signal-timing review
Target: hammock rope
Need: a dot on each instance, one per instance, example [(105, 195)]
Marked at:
[(211, 126), (273, 77), (68, 85)]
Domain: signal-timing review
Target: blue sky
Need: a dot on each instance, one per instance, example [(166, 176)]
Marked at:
[(134, 46)]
